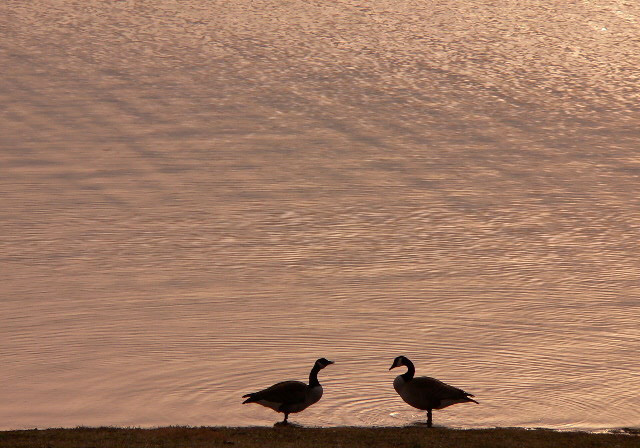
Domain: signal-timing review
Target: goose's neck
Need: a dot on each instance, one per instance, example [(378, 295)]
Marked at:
[(411, 370), (313, 376)]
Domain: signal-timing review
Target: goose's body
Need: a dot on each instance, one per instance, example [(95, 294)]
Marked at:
[(290, 397), (426, 393)]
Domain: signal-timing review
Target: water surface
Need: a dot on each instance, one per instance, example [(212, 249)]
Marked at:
[(199, 198)]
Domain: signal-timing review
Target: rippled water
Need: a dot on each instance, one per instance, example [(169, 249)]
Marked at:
[(199, 198)]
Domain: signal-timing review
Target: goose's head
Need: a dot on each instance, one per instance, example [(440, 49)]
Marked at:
[(321, 363), (399, 362)]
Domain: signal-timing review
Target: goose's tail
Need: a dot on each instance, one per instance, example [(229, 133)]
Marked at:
[(250, 398), (468, 397)]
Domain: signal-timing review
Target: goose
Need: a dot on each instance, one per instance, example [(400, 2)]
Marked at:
[(426, 393), (289, 397)]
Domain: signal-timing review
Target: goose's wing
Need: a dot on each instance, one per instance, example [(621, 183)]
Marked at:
[(286, 392), (431, 389)]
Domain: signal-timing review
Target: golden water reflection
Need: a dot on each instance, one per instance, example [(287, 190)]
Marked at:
[(202, 197)]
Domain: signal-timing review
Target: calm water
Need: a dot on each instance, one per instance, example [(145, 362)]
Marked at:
[(199, 198)]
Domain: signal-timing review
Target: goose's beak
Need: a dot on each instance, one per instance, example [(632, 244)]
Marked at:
[(393, 367)]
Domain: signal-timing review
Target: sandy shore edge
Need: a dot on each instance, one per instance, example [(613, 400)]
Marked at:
[(302, 437)]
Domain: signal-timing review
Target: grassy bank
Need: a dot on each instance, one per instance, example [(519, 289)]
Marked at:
[(296, 437)]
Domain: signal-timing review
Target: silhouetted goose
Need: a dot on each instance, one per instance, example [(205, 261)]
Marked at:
[(426, 393), (291, 396)]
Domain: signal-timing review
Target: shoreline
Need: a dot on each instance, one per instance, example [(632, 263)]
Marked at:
[(414, 436), (631, 430)]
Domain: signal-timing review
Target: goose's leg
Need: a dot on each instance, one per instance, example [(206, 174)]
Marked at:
[(286, 416), (429, 418)]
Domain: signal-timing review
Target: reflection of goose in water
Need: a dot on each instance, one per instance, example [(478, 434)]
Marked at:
[(426, 393), (291, 396)]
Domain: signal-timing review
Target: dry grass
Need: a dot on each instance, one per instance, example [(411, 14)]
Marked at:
[(296, 437)]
